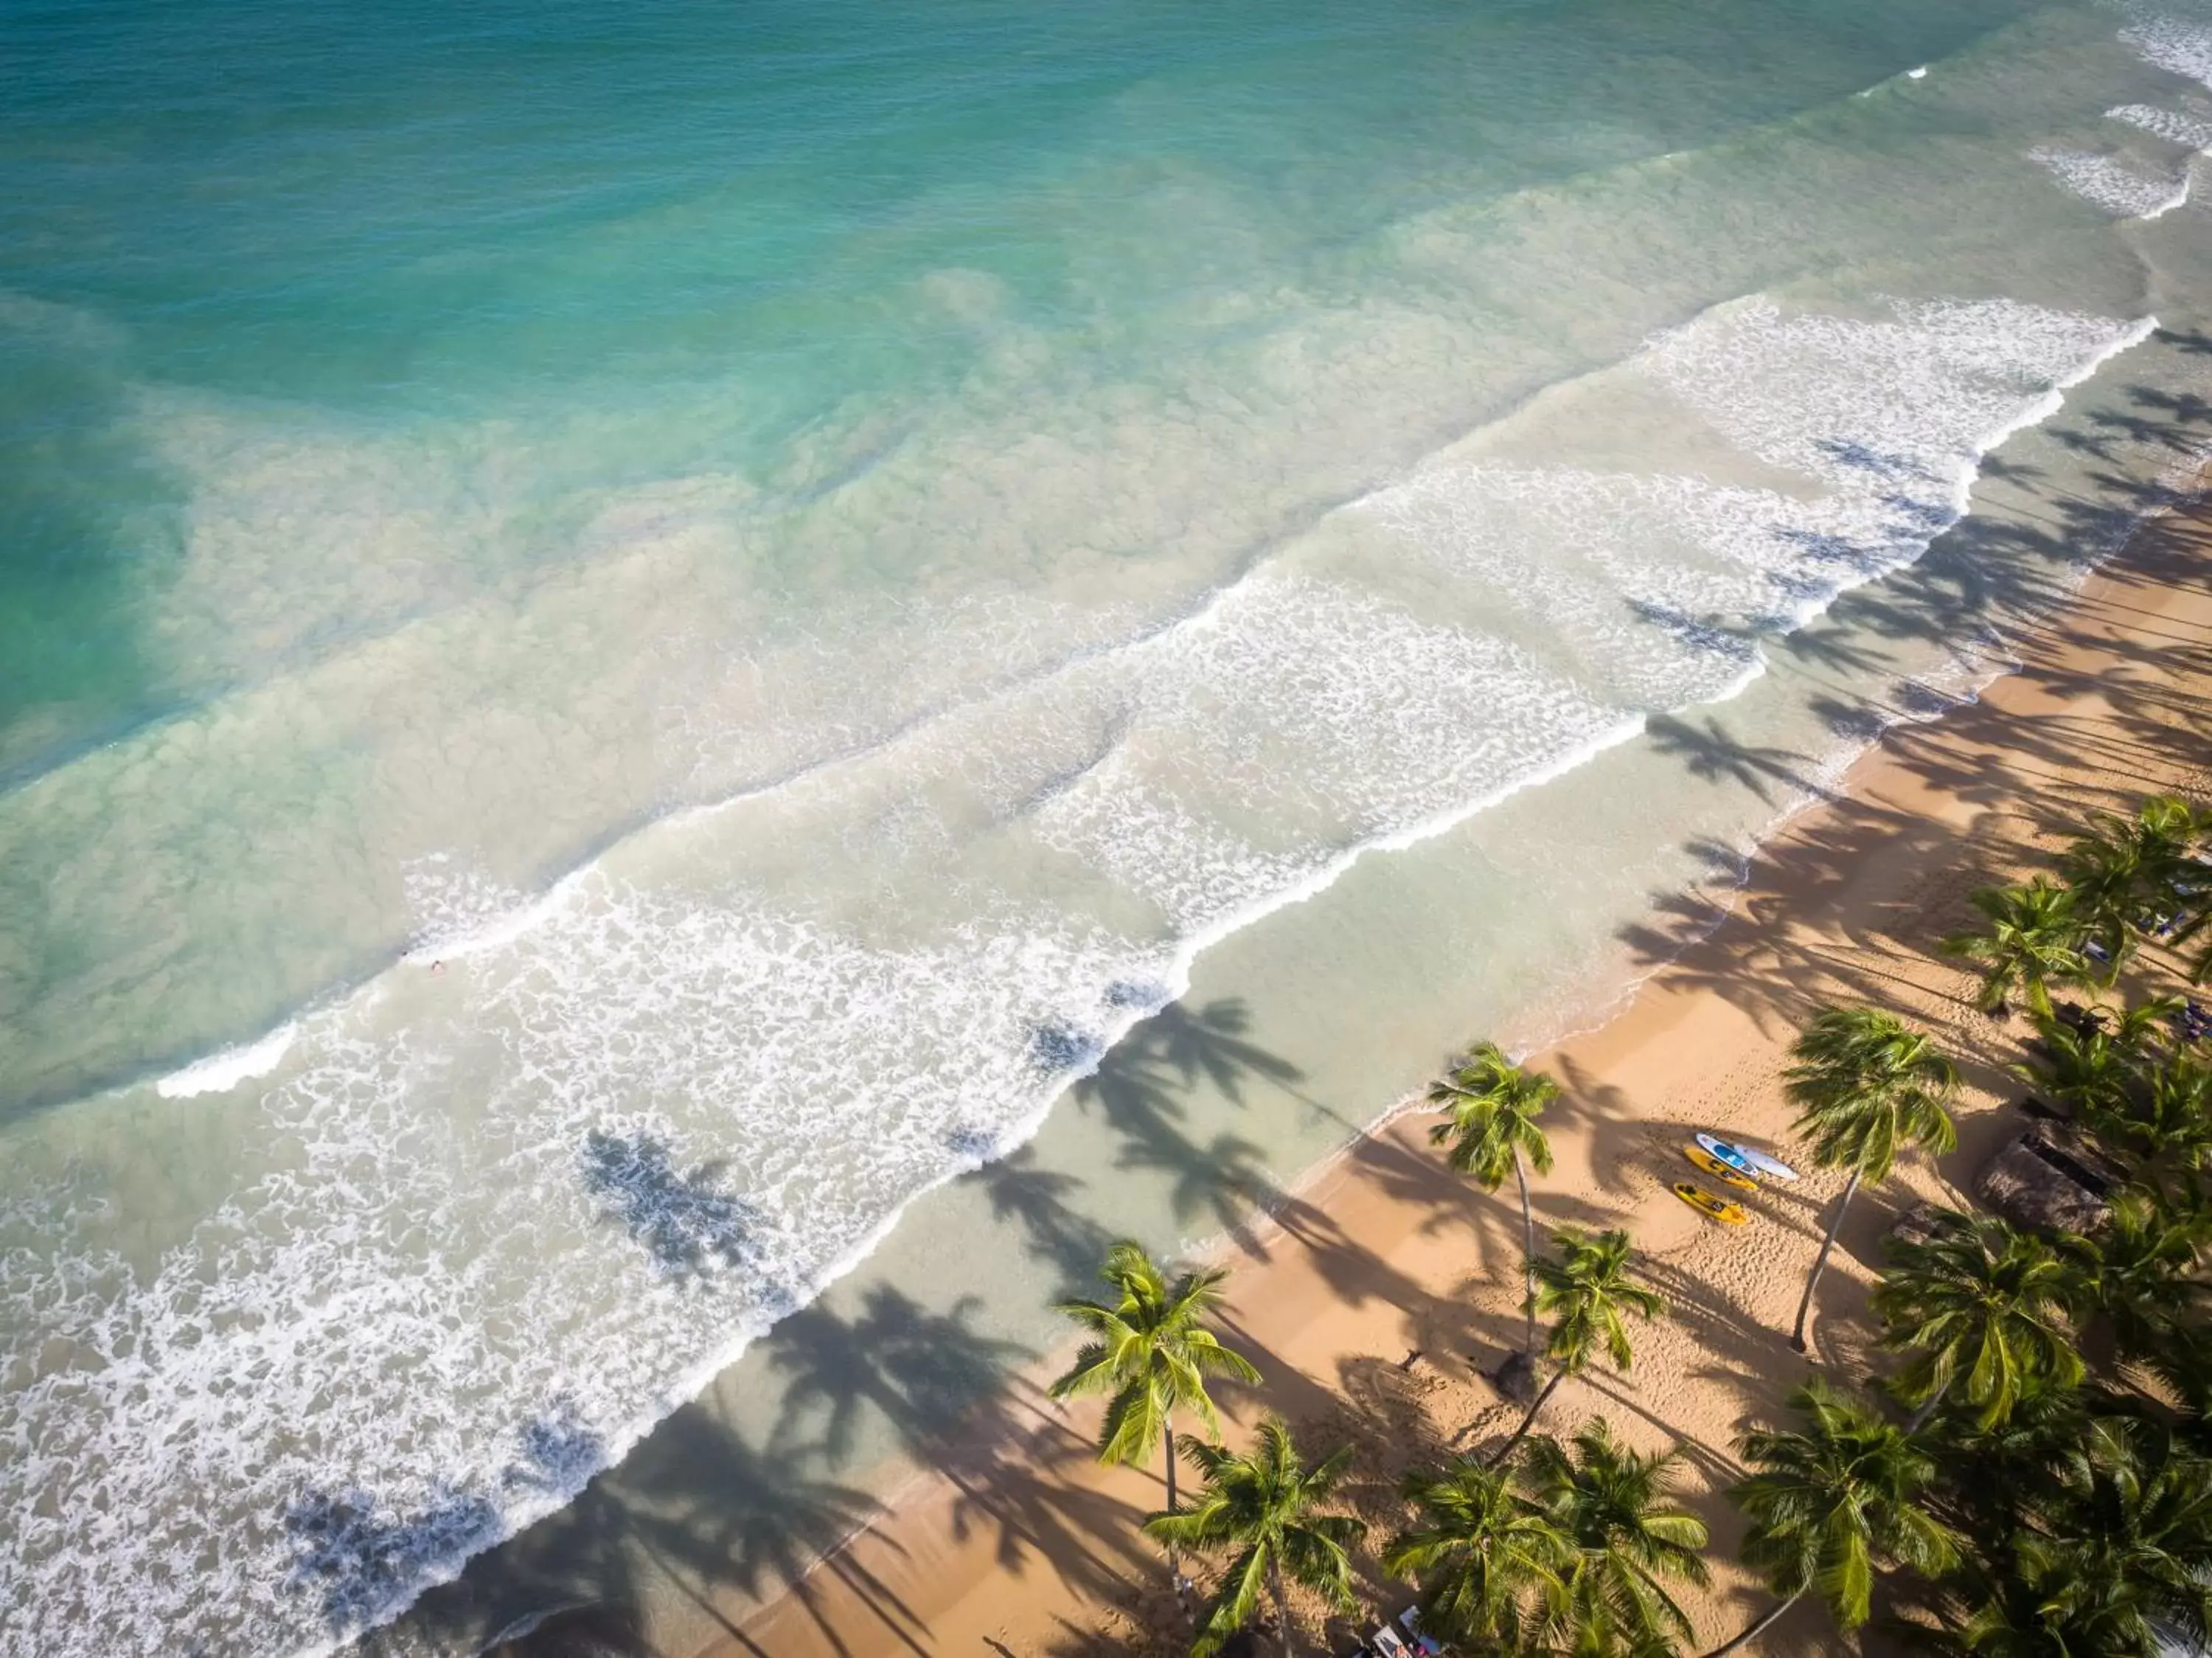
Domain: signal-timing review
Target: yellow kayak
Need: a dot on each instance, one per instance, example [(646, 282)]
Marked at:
[(1712, 1208), (1719, 1170)]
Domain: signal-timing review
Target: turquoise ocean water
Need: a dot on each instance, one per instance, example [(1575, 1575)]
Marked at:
[(629, 634)]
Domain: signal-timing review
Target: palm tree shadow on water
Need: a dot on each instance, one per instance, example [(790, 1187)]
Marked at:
[(1143, 1088), (717, 1516)]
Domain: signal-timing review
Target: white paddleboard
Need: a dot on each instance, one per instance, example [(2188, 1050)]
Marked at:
[(1728, 1154), (1762, 1164)]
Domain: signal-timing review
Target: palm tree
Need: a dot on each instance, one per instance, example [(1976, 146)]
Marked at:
[(2042, 1602), (2093, 1066), (1266, 1505), (1488, 1560), (2033, 941), (1983, 1307), (1829, 1502), (1866, 1084), (2141, 1270), (2165, 1122), (1586, 1291), (2139, 1514), (1610, 1505), (1149, 1349), (2104, 875), (2121, 1553), (1491, 1106), (2126, 868), (1996, 1479)]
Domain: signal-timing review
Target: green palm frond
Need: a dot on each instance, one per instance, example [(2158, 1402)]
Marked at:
[(2032, 941), (1488, 1560), (1831, 1499), (1865, 1085), (1985, 1310), (1586, 1291), (1491, 1109), (1610, 1504), (1150, 1350), (1267, 1505)]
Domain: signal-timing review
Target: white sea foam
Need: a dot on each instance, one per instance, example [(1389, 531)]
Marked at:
[(218, 1073), (2194, 131), (511, 1226), (2179, 45), (2114, 185)]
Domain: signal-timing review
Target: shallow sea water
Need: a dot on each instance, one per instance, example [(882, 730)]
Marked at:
[(632, 640)]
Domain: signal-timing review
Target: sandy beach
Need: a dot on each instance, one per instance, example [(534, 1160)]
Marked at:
[(1384, 1287)]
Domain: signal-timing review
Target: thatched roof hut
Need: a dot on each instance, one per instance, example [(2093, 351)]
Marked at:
[(2049, 1179)]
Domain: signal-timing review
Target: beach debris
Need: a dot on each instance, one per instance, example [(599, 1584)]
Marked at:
[(1515, 1378)]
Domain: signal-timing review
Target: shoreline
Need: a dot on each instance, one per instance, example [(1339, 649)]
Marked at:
[(1362, 1264)]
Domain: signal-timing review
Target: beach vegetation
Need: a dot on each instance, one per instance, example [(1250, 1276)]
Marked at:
[(1626, 1542), (1834, 1500), (2032, 941), (2141, 1274), (1150, 1350), (1587, 1292), (1983, 1308), (2131, 874), (1867, 1085), (1268, 1509), (2105, 1547), (2162, 1124), (1491, 1130), (1491, 1564), (2093, 1066)]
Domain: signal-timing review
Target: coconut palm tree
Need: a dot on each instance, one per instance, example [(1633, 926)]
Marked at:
[(1611, 1504), (1829, 1502), (2094, 1067), (1981, 1307), (1865, 1085), (1996, 1480), (2164, 1123), (2033, 941), (2105, 876), (1265, 1508), (1587, 1293), (1490, 1563), (1151, 1351), (2125, 870), (2039, 1603), (1491, 1107), (2141, 1270), (2138, 1514)]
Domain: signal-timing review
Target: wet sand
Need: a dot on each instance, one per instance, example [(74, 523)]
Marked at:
[(1016, 1542)]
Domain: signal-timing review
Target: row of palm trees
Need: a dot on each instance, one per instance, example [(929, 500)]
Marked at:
[(1993, 1507), (2126, 884), (1591, 1520)]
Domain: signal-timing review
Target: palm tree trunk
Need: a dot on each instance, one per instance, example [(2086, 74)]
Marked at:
[(1528, 1421), (1805, 1304), (1927, 1409), (1773, 1612), (1282, 1606), (1528, 1254), (1167, 1441), (1167, 1438)]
